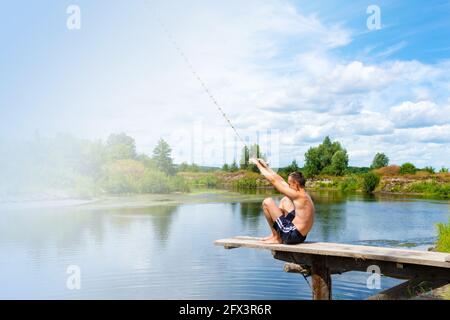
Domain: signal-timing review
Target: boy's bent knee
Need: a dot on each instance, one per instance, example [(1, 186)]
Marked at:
[(285, 200), (268, 202)]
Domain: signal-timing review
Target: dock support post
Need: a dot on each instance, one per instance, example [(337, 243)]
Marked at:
[(321, 278)]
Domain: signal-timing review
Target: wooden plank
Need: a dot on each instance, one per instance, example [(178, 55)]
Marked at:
[(339, 265), (426, 258), (410, 289), (321, 279)]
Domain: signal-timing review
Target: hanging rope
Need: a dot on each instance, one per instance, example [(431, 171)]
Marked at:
[(306, 279), (199, 79)]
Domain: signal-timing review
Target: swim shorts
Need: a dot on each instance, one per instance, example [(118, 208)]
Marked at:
[(287, 230)]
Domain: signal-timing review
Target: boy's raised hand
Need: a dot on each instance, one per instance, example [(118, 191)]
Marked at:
[(253, 161), (263, 163)]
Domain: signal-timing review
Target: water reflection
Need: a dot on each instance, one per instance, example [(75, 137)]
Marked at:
[(250, 212), (161, 218), (330, 214)]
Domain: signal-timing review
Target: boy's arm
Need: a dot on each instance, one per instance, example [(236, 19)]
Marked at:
[(276, 180)]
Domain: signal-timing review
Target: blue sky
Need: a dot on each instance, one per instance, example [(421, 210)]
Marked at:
[(302, 69)]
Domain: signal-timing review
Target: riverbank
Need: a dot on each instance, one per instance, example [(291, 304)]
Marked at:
[(420, 184)]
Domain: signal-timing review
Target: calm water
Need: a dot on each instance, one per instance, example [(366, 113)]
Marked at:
[(167, 252)]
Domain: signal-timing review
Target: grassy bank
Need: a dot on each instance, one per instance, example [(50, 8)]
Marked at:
[(443, 243), (426, 184), (241, 179)]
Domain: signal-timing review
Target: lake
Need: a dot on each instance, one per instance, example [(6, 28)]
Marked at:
[(130, 250)]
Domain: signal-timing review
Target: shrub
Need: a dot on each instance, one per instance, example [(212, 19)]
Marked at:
[(370, 182), (246, 183), (408, 168), (207, 180), (130, 176), (443, 170), (429, 169), (121, 176), (350, 183), (443, 242), (159, 182), (431, 188)]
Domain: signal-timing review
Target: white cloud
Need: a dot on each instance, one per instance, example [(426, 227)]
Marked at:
[(420, 114), (368, 124), (356, 77), (439, 134), (270, 66)]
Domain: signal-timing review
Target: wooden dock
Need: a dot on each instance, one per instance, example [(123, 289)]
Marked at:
[(424, 270)]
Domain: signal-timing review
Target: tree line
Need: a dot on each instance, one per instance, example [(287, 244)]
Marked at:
[(115, 166), (328, 158)]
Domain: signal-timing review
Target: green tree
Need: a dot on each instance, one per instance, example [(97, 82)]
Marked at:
[(339, 162), (320, 159), (120, 147), (379, 161), (253, 151), (326, 151), (162, 158), (234, 166), (370, 182), (293, 166), (408, 168), (312, 162), (429, 169), (245, 156), (225, 167), (443, 170), (285, 171)]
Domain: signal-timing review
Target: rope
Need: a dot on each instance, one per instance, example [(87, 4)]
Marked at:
[(199, 79), (306, 279)]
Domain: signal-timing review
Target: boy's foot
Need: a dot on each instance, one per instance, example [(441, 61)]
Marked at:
[(273, 240)]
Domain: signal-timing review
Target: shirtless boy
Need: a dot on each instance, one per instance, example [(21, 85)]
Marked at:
[(291, 221)]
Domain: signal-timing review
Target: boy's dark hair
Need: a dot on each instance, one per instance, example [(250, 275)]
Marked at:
[(298, 176)]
